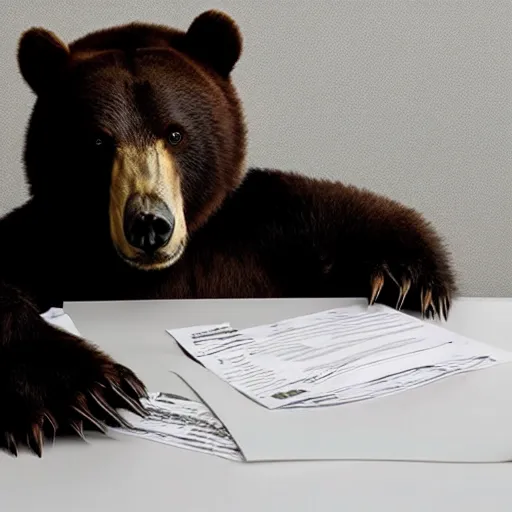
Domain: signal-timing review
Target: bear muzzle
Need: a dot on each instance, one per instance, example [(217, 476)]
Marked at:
[(147, 215), (148, 223)]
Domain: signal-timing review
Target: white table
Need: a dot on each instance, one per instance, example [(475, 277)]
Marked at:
[(128, 474)]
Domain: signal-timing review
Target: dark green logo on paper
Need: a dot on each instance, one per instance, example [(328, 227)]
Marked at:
[(288, 394)]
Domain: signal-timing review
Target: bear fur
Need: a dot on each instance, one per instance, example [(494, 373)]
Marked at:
[(135, 162)]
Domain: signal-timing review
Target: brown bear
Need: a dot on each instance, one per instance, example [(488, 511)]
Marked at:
[(135, 161)]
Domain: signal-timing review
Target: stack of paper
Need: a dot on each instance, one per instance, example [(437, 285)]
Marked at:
[(183, 423), (335, 356)]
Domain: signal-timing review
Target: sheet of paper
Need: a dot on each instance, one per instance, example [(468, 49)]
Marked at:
[(334, 357), (58, 318), (184, 423)]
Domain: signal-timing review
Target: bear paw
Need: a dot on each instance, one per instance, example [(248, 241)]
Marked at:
[(52, 382), (430, 292)]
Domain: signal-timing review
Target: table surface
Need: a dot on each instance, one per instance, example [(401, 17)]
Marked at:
[(129, 474)]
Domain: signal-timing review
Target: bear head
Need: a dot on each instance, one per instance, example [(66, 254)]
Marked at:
[(137, 133)]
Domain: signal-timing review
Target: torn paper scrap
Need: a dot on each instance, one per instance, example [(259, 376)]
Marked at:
[(58, 318), (335, 356), (183, 423)]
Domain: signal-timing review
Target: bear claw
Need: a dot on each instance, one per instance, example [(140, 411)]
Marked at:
[(95, 408), (78, 427), (35, 439), (377, 285), (98, 398), (434, 299), (51, 420), (132, 404), (10, 442)]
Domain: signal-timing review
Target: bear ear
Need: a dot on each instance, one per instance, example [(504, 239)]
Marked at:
[(42, 57), (214, 38)]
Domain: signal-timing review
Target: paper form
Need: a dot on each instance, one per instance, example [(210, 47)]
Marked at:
[(183, 423), (335, 356)]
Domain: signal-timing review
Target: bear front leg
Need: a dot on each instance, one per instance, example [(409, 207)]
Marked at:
[(52, 382), (392, 255), (321, 238)]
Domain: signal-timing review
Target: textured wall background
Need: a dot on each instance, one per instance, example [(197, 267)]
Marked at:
[(410, 99)]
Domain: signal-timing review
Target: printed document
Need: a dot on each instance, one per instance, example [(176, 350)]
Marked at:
[(184, 423), (335, 356)]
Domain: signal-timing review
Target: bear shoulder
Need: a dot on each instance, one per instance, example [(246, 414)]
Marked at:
[(265, 194)]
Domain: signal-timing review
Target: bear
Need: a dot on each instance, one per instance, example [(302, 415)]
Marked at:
[(135, 160)]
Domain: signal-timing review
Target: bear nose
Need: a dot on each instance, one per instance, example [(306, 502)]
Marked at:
[(149, 232), (148, 229)]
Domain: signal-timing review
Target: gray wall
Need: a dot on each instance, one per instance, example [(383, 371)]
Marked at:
[(409, 98)]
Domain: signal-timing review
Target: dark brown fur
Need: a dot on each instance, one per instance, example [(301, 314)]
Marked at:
[(263, 234)]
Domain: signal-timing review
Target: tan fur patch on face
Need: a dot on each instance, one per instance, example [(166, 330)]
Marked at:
[(150, 172)]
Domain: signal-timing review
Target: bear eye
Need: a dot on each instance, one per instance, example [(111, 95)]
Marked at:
[(102, 142), (175, 137)]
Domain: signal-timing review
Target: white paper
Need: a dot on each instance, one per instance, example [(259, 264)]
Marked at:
[(184, 423), (334, 357), (58, 318)]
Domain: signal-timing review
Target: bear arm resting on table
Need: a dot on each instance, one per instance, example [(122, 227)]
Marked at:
[(324, 238)]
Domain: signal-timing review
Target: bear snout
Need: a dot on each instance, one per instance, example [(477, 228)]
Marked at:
[(148, 223)]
